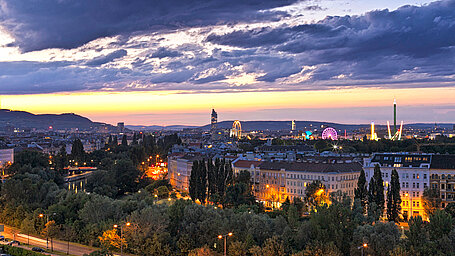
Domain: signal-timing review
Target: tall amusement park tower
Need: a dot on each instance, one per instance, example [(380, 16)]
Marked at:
[(394, 116)]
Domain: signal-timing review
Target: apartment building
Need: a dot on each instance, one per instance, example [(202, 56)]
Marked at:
[(414, 173), (273, 182)]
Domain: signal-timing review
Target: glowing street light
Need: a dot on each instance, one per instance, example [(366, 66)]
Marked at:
[(320, 192), (365, 245), (42, 215), (225, 237), (121, 235)]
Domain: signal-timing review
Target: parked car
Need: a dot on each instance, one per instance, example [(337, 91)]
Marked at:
[(37, 249), (13, 242)]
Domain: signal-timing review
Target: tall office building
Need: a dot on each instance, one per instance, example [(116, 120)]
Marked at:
[(121, 126), (213, 120)]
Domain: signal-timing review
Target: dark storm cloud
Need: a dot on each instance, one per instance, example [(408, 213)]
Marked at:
[(42, 24), (411, 47), (410, 30), (376, 45), (98, 61)]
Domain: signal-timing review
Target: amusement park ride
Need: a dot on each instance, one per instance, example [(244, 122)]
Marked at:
[(397, 133), (236, 131)]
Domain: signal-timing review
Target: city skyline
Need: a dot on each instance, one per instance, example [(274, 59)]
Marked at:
[(274, 60)]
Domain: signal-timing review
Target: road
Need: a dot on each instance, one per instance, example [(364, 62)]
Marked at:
[(59, 246)]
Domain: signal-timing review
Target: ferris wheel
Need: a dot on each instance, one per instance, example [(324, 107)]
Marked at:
[(329, 133)]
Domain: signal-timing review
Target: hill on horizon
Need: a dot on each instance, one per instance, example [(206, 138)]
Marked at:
[(23, 119)]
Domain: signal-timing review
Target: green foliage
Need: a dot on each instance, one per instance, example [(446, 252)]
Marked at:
[(313, 196), (394, 198), (16, 251), (376, 191), (77, 151), (361, 192), (381, 238), (431, 200), (320, 249)]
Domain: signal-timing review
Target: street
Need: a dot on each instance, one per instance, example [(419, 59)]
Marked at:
[(59, 246)]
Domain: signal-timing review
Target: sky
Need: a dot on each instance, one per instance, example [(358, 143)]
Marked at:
[(150, 62)]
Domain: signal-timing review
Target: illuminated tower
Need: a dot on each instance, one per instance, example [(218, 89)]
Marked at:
[(293, 126), (213, 120), (394, 116)]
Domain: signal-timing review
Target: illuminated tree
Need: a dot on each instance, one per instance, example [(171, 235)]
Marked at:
[(315, 194), (110, 239)]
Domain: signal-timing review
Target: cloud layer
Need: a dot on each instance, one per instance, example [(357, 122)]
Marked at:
[(218, 46), (42, 24)]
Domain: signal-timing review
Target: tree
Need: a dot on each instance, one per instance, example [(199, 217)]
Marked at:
[(431, 200), (198, 181), (450, 209), (203, 251), (77, 151), (394, 198), (293, 216), (441, 223), (376, 190), (237, 248), (156, 247), (321, 249), (124, 141), (315, 194), (110, 239), (273, 247), (194, 181), (417, 235), (381, 238), (134, 142), (361, 192)]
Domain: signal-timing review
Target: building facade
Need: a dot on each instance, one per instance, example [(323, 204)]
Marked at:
[(6, 156), (442, 177), (414, 174), (273, 182), (179, 171)]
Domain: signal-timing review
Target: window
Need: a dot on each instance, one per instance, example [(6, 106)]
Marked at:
[(413, 204), (413, 176), (424, 176), (413, 185), (417, 185), (443, 186), (424, 185)]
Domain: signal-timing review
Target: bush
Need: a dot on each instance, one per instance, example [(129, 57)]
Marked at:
[(16, 251)]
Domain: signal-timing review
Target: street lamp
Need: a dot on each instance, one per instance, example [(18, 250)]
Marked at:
[(365, 245), (225, 237), (42, 215), (121, 235)]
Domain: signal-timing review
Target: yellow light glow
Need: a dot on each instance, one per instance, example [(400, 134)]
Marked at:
[(320, 192)]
